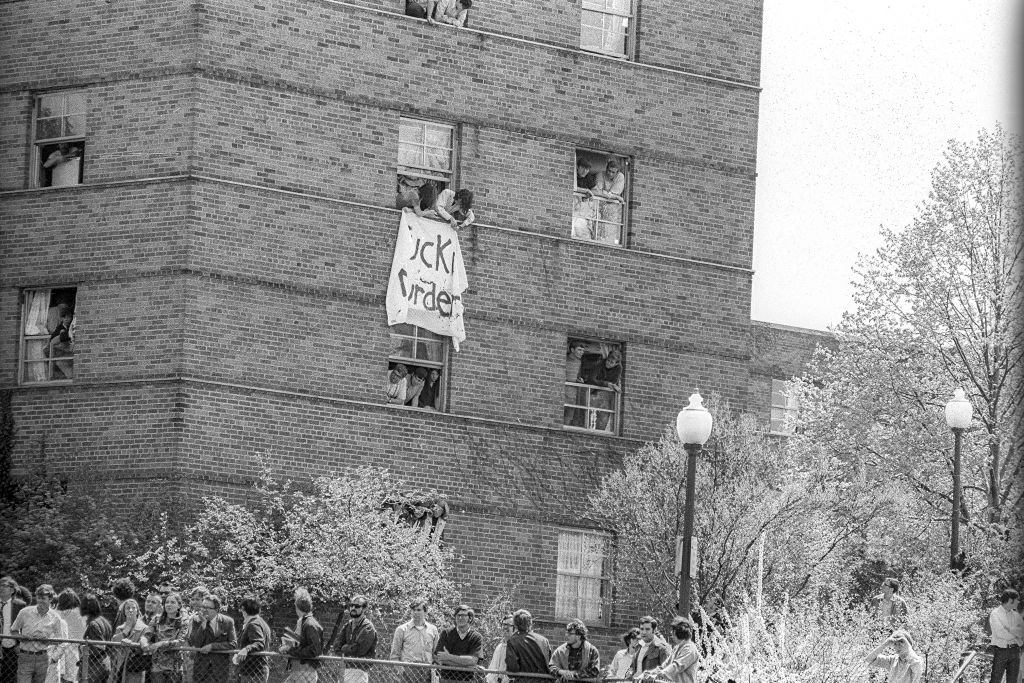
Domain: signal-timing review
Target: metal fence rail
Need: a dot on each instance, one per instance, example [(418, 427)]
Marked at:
[(97, 657)]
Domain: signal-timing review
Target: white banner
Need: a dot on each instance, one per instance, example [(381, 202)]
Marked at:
[(428, 278)]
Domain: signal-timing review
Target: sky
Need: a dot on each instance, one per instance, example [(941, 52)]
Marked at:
[(859, 100)]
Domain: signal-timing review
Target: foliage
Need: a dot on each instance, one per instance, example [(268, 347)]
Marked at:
[(935, 310), (50, 534), (747, 485), (825, 638), (337, 539)]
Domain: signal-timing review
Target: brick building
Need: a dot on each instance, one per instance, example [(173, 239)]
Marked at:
[(210, 187)]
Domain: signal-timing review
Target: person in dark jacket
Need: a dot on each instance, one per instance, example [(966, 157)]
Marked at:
[(459, 646), (526, 651), (10, 604), (653, 652), (211, 635), (95, 658), (306, 643), (358, 639), (576, 658), (255, 638)]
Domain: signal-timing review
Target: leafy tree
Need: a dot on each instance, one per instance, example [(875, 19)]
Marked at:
[(338, 538), (748, 485), (936, 308)]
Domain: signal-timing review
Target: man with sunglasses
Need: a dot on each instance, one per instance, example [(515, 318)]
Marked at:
[(358, 639)]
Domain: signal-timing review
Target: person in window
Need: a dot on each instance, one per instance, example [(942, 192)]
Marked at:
[(605, 373), (455, 207), (64, 165), (453, 12), (61, 348), (416, 381), (584, 207), (609, 187), (418, 8), (573, 373), (431, 390), (397, 384), (426, 198)]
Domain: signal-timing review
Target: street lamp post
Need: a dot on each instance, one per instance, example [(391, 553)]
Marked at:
[(693, 424), (958, 418)]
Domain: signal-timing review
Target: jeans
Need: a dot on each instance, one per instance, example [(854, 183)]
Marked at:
[(1004, 660), (32, 666)]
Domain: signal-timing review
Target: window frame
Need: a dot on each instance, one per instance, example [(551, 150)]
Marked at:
[(616, 410), (626, 162), (790, 407), (629, 36), (444, 365), (426, 171), (36, 161), (604, 578), (25, 339)]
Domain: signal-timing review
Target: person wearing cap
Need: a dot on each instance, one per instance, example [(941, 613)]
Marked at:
[(10, 605), (906, 666), (1007, 637), (38, 621), (576, 658), (682, 666), (358, 639)]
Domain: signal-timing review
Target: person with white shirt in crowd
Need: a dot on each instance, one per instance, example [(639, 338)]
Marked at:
[(414, 641), (1007, 638), (38, 621), (10, 605)]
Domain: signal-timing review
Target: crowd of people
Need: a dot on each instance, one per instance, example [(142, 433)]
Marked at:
[(164, 640)]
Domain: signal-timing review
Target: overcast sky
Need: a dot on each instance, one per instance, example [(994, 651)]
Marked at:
[(859, 99)]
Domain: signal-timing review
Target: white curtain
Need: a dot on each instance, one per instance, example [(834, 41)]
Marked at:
[(37, 305)]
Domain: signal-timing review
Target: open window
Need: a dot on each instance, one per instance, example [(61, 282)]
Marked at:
[(784, 409), (600, 197), (606, 26), (583, 585), (47, 335), (593, 386), (426, 153), (58, 149), (417, 368)]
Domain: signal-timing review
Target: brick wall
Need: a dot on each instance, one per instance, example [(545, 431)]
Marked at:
[(219, 317)]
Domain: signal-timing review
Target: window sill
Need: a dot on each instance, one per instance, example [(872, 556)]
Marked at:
[(49, 383), (592, 432)]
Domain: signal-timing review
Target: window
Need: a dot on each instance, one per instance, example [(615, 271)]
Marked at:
[(600, 197), (58, 151), (47, 336), (583, 588), (417, 368), (606, 25), (784, 408), (425, 162), (593, 386)]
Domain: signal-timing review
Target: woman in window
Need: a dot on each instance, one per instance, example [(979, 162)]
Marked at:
[(610, 187)]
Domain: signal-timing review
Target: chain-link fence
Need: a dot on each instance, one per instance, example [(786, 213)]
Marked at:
[(92, 661)]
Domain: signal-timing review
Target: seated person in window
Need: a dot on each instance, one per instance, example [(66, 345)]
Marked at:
[(64, 165), (609, 187), (454, 12), (430, 391), (61, 348), (397, 384), (417, 379), (420, 9), (603, 372)]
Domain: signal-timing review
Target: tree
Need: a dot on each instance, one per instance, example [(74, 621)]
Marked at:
[(935, 310), (338, 538), (748, 485)]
